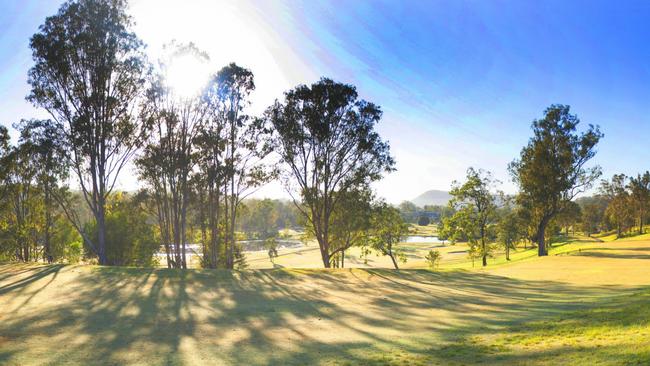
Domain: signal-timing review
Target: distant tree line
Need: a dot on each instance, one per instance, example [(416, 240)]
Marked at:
[(264, 218), (428, 214)]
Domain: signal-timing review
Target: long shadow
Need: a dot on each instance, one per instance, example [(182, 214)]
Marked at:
[(14, 270), (291, 317), (38, 273)]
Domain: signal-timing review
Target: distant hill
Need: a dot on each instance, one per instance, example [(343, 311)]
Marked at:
[(432, 197)]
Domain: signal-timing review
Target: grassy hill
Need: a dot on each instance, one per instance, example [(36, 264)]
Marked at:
[(587, 303)]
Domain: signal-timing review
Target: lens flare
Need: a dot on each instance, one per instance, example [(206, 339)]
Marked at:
[(187, 75)]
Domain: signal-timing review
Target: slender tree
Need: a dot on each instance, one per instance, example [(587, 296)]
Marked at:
[(551, 169), (639, 188), (88, 74), (246, 147), (351, 221), (173, 122), (48, 160), (387, 231), (327, 141), (619, 207), (24, 220), (510, 230), (5, 148), (475, 205), (232, 148)]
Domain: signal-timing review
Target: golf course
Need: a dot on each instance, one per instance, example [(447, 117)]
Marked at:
[(588, 302), (295, 182)]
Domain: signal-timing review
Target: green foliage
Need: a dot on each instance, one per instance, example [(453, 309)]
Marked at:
[(510, 230), (569, 216), (32, 225), (66, 242), (424, 220), (433, 258), (593, 213), (88, 74), (131, 239), (387, 230), (261, 219), (409, 211), (413, 214), (619, 209), (550, 170), (475, 213), (350, 222), (328, 144), (639, 188), (73, 252)]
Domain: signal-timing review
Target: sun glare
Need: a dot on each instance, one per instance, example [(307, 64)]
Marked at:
[(187, 74)]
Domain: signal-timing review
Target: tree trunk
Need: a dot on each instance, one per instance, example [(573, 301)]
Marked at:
[(641, 225), (326, 260), (541, 238), (343, 259), (392, 257), (233, 221), (101, 235), (213, 213), (47, 252), (183, 239), (541, 246), (483, 249), (507, 251), (324, 252)]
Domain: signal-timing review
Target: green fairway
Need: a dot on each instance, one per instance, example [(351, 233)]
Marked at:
[(453, 256), (587, 305)]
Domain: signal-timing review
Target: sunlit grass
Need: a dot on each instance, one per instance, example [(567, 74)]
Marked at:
[(586, 303), (426, 230)]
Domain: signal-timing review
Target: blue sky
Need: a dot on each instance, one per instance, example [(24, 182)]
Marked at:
[(459, 81)]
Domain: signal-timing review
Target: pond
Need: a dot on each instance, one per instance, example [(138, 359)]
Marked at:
[(257, 245), (422, 239)]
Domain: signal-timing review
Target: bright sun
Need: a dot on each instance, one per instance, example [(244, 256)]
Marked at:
[(187, 74)]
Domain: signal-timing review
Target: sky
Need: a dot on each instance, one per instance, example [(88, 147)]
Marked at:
[(459, 81)]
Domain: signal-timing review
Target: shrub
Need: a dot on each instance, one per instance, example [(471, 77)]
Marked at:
[(433, 258), (130, 237), (424, 220)]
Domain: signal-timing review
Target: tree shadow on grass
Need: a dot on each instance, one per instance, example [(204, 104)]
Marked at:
[(288, 317), (24, 277)]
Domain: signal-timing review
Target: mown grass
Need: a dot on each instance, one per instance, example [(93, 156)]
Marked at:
[(587, 303), (615, 332), (454, 256), (424, 230)]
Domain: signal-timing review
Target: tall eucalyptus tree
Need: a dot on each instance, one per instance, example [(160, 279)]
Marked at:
[(328, 144), (552, 169), (88, 73), (172, 121)]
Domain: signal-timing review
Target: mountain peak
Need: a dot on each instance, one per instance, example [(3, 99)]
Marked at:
[(432, 197)]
